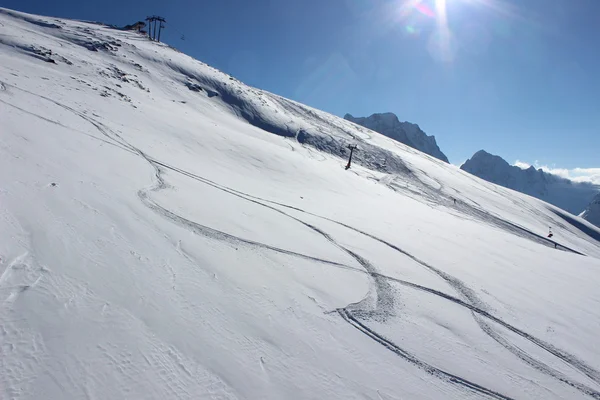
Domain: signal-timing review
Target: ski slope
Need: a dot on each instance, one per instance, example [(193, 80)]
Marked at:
[(167, 232)]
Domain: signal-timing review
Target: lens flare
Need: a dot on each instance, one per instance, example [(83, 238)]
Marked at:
[(440, 9), (446, 53), (429, 19), (424, 9)]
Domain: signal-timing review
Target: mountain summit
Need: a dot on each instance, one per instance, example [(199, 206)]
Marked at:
[(408, 133), (564, 193)]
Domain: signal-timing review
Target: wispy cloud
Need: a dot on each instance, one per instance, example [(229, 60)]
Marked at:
[(576, 174)]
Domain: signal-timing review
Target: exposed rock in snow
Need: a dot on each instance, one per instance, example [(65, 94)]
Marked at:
[(405, 132)]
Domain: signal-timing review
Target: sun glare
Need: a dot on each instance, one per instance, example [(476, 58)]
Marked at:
[(442, 43)]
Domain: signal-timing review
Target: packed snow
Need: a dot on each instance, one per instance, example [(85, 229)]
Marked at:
[(168, 232)]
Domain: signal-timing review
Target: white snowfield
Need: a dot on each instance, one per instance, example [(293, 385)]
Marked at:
[(167, 232)]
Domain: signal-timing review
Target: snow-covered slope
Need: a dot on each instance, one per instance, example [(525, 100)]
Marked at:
[(404, 132), (592, 212), (564, 193), (168, 232)]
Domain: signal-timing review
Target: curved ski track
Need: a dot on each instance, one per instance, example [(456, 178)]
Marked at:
[(479, 309), (384, 292)]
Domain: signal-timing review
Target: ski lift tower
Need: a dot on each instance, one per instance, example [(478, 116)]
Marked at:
[(352, 147)]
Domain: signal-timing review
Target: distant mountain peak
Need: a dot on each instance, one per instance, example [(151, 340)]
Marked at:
[(408, 133), (566, 194), (487, 157), (592, 211)]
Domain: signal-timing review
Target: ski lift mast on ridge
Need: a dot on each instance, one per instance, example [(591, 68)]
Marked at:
[(152, 34)]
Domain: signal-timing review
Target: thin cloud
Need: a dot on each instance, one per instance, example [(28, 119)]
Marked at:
[(591, 175)]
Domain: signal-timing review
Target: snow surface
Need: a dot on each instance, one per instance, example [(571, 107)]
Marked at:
[(571, 196), (170, 233), (408, 133)]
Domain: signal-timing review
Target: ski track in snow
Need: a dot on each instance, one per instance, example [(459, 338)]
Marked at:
[(363, 310), (349, 317), (384, 293), (518, 201), (434, 195), (479, 309), (385, 299)]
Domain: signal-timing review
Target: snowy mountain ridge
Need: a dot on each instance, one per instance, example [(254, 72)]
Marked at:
[(564, 193), (408, 133), (169, 232), (592, 211)]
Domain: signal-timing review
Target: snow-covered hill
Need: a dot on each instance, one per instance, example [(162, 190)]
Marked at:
[(167, 232), (564, 193), (410, 134)]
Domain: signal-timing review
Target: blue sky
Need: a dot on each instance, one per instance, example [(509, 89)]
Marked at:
[(518, 78)]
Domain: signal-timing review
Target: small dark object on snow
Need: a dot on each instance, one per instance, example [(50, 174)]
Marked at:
[(138, 26), (53, 184), (454, 201)]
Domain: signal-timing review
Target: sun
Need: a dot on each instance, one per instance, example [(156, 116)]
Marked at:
[(440, 10), (442, 41)]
